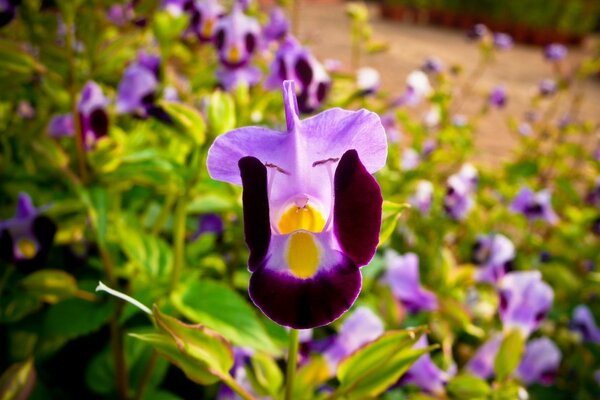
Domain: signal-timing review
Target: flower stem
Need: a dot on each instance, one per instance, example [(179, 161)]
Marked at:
[(291, 364), (243, 393), (178, 239)]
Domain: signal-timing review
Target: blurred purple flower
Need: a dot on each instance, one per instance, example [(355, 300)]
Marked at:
[(388, 120), (402, 275), (137, 90), (25, 110), (205, 18), (503, 41), (498, 97), (555, 52), (209, 223), (524, 300), (540, 362), (478, 32), (26, 238), (493, 253), (61, 125), (417, 88), (525, 129), (92, 113), (460, 187), (278, 25), (367, 81), (534, 206), (547, 87), (459, 120), (410, 159), (584, 323), (121, 14), (8, 9), (423, 197), (241, 358), (593, 196), (424, 373), (482, 363), (358, 329), (236, 39), (230, 78), (294, 62), (596, 226), (432, 65)]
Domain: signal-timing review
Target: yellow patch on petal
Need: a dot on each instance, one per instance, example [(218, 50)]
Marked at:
[(234, 54), (301, 218), (27, 248), (303, 255), (208, 27)]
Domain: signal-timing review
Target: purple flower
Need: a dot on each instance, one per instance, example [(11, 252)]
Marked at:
[(534, 206), (547, 87), (402, 275), (120, 14), (410, 159), (432, 65), (478, 32), (92, 113), (524, 300), (61, 125), (278, 25), (137, 90), (391, 127), (593, 196), (26, 238), (555, 52), (209, 223), (25, 110), (205, 18), (358, 329), (540, 362), (493, 253), (424, 373), (230, 78), (459, 190), (498, 97), (482, 363), (503, 41), (423, 197), (417, 88), (236, 38), (241, 359), (8, 9), (312, 209), (525, 129), (584, 323), (293, 62), (367, 81)]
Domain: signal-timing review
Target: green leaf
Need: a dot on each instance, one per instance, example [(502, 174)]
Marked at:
[(220, 308), (187, 121), (468, 387), (221, 113), (149, 252), (99, 200), (17, 381), (310, 376), (16, 306), (264, 375), (373, 368), (167, 27), (509, 355), (75, 317), (13, 60), (390, 214), (50, 285)]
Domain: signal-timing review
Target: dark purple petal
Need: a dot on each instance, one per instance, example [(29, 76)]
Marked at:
[(357, 209), (98, 122), (257, 228), (303, 71), (306, 303)]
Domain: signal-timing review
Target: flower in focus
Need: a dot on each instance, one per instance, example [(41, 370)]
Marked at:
[(584, 323), (555, 52), (534, 206), (312, 210), (493, 254), (540, 362), (423, 197), (26, 238), (459, 192), (424, 373), (367, 81), (358, 329), (503, 41), (482, 363), (294, 62), (402, 275), (524, 300), (278, 25), (498, 97), (8, 9)]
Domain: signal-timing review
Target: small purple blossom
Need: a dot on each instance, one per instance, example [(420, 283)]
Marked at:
[(524, 300), (423, 197), (432, 65), (367, 81), (503, 41), (525, 129), (534, 206), (583, 322), (417, 88), (237, 38), (402, 275), (410, 159), (209, 223), (388, 120), (555, 52), (478, 32), (8, 9), (230, 78), (278, 25), (205, 18), (460, 187), (120, 14), (498, 97), (547, 87), (92, 113), (540, 362), (358, 329), (493, 254), (424, 373), (482, 363), (61, 125)]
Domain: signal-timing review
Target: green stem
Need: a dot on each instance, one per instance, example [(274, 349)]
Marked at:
[(147, 374), (178, 239), (291, 364), (229, 381), (164, 214)]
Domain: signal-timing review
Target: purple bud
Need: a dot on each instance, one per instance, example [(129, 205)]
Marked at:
[(477, 32), (547, 87), (498, 97), (583, 322), (432, 65), (555, 52), (503, 41), (278, 25)]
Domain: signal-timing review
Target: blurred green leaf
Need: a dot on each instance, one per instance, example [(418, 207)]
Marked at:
[(390, 214), (187, 121), (167, 27), (17, 381), (221, 113), (264, 375), (509, 355), (76, 317), (50, 285), (16, 306), (220, 308), (468, 387), (375, 367), (149, 252)]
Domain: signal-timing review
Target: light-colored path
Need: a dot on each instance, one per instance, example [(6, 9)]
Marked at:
[(326, 28)]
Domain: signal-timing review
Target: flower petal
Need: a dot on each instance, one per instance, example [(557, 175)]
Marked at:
[(357, 209), (257, 229)]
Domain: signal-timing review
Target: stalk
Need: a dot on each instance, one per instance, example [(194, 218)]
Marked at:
[(291, 364)]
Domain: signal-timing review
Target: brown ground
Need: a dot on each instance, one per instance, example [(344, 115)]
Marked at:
[(326, 28)]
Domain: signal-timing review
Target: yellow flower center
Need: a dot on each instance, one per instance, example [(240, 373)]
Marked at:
[(208, 27), (303, 255), (301, 218), (26, 248), (234, 54)]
